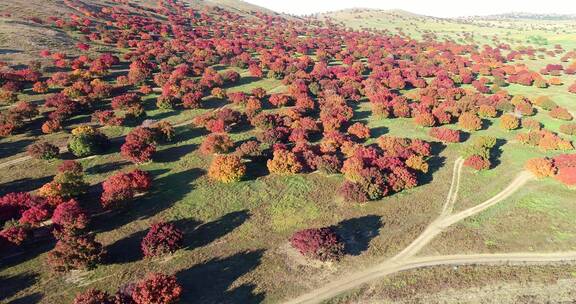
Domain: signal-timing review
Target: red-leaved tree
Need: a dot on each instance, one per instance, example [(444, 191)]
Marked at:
[(122, 187), (162, 238), (445, 134), (157, 288), (139, 146), (318, 243)]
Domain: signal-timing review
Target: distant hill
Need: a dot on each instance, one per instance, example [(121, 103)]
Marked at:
[(523, 16), (380, 12), (236, 6)]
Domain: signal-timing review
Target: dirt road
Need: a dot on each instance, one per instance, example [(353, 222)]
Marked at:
[(405, 260)]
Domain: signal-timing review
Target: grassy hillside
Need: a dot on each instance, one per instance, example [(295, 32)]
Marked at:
[(477, 30), (236, 236)]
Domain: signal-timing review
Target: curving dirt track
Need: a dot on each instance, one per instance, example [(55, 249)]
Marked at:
[(454, 187), (405, 260), (390, 267), (446, 220)]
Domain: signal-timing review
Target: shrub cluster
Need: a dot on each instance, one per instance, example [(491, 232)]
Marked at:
[(122, 187), (560, 113), (75, 252), (509, 122), (86, 141), (284, 162), (68, 182), (154, 288), (227, 168), (43, 150), (162, 238), (140, 145), (545, 140), (318, 243), (445, 134), (477, 153), (216, 143)]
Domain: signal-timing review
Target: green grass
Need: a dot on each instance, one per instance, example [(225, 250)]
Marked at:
[(237, 233), (538, 217), (274, 207)]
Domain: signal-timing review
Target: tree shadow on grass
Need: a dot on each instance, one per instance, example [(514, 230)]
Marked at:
[(9, 51), (377, 132), (359, 113), (435, 163), (127, 249), (79, 119), (191, 133), (362, 115), (13, 284), (34, 126), (206, 233), (120, 71), (244, 80), (24, 184), (358, 232), (163, 115), (211, 282), (496, 152), (241, 127), (29, 299), (165, 192), (256, 168), (214, 103), (175, 153), (464, 136), (195, 234), (107, 167), (486, 124), (437, 147), (41, 241), (8, 149)]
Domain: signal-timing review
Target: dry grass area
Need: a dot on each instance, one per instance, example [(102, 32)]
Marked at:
[(471, 284), (21, 39)]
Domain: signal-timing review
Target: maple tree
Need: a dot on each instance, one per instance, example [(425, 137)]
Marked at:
[(157, 288), (227, 168), (75, 252), (122, 187), (469, 121), (560, 113), (216, 143), (509, 122), (86, 141), (43, 150), (68, 181), (284, 162), (162, 238), (70, 217), (541, 167), (445, 134), (139, 146), (318, 243)]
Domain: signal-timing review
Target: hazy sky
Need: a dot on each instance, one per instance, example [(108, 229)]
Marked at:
[(437, 8)]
